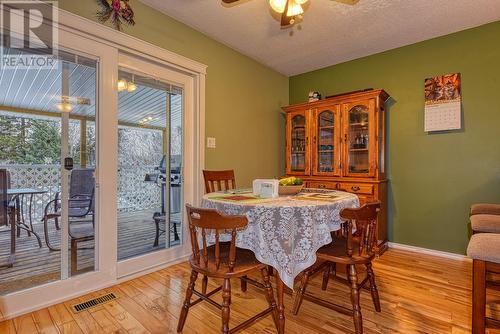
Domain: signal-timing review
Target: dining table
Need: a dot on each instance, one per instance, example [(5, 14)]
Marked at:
[(284, 232)]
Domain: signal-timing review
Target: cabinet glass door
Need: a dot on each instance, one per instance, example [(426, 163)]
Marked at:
[(359, 139), (325, 144), (298, 142)]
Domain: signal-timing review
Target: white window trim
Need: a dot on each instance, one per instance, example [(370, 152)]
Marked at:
[(48, 294), (103, 34)]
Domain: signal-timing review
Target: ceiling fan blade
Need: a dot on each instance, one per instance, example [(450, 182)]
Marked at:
[(229, 1), (348, 2), (286, 20)]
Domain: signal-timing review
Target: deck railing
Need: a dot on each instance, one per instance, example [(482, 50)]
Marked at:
[(133, 193)]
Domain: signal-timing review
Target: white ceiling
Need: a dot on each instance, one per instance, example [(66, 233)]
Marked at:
[(331, 32)]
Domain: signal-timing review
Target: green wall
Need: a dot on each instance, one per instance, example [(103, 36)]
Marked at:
[(434, 178), (243, 97)]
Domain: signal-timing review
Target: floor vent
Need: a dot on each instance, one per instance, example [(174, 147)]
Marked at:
[(94, 302)]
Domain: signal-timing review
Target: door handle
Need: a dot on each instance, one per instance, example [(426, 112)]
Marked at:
[(68, 163)]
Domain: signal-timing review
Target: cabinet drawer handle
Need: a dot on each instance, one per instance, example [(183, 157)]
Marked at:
[(355, 188), (322, 186)]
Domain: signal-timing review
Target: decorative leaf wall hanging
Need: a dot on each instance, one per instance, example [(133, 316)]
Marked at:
[(118, 11)]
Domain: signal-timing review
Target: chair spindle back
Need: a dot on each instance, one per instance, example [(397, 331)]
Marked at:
[(214, 180), (364, 219), (207, 220)]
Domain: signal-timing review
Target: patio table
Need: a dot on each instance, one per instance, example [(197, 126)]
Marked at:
[(17, 217), (285, 232)]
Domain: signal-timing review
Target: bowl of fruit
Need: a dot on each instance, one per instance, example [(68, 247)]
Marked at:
[(290, 186)]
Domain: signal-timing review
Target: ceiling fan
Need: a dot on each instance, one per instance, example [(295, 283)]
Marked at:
[(291, 10)]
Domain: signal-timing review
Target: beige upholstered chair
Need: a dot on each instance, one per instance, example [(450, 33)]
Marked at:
[(485, 218), (485, 209), (482, 223), (484, 249)]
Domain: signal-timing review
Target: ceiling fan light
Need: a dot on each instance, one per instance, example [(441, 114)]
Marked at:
[(294, 9), (278, 5), (301, 2)]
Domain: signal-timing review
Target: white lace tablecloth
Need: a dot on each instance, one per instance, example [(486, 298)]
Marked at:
[(285, 233)]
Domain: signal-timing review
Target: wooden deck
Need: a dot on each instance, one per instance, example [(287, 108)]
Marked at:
[(420, 294), (35, 266)]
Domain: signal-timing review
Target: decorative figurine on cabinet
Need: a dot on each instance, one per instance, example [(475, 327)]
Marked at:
[(314, 96)]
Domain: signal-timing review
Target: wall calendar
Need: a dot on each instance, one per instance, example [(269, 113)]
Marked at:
[(443, 102)]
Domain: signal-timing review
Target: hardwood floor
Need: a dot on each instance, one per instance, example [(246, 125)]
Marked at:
[(419, 294)]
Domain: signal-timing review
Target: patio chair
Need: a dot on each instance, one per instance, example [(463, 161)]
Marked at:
[(80, 208), (4, 197), (4, 201), (7, 214)]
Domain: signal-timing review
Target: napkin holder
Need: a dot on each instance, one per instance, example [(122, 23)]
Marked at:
[(266, 188)]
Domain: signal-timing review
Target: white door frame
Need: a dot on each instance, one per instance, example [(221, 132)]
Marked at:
[(86, 36)]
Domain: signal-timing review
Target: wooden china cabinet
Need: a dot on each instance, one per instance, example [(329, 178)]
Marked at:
[(339, 143)]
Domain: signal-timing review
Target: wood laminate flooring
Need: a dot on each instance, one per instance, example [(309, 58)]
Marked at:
[(419, 294)]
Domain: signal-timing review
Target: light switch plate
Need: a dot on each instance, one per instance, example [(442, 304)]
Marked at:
[(211, 142)]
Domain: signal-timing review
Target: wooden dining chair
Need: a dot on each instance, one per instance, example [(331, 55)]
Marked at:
[(351, 249), (219, 180), (221, 260)]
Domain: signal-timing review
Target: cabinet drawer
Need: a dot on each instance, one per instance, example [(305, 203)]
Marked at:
[(363, 199), (322, 185), (357, 188)]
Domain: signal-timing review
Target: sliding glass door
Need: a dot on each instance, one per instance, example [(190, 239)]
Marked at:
[(149, 164), (52, 144), (103, 149), (48, 147)]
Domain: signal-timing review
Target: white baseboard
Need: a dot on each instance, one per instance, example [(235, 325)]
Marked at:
[(152, 269), (433, 252)]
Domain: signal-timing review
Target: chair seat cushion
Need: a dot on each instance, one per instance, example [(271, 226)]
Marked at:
[(76, 212), (245, 262), (485, 223), (81, 230), (484, 246), (484, 208), (336, 251)]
